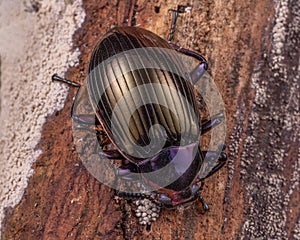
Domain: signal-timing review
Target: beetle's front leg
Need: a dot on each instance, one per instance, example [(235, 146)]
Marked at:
[(196, 191), (132, 195)]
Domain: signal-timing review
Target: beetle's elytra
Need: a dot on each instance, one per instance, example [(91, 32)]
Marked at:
[(110, 83), (123, 39)]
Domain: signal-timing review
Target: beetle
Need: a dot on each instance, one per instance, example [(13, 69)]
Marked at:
[(184, 189)]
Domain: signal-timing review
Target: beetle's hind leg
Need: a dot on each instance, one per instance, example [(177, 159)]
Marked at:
[(90, 122), (173, 24), (200, 69), (175, 13), (214, 121)]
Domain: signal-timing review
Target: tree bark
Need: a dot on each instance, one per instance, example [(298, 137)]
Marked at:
[(252, 49)]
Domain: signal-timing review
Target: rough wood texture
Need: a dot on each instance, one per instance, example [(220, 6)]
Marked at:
[(253, 53)]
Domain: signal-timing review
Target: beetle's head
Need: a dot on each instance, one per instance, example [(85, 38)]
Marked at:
[(174, 173)]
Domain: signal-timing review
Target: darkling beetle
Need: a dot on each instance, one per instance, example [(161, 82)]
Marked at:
[(184, 189)]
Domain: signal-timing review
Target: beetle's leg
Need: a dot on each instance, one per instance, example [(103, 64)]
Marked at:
[(127, 169), (94, 129), (88, 119), (125, 172), (204, 204), (97, 130), (196, 191), (175, 13), (211, 123), (173, 24), (200, 69), (90, 123), (200, 198), (111, 154), (220, 163), (55, 77)]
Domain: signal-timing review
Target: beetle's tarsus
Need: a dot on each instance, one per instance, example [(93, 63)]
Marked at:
[(55, 77), (221, 162), (180, 9), (204, 204)]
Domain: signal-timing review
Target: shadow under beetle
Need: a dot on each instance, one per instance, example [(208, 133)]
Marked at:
[(184, 189)]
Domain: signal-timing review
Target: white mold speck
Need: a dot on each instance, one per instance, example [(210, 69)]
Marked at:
[(147, 211), (33, 45)]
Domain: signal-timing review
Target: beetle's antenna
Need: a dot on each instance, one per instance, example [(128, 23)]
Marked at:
[(55, 77)]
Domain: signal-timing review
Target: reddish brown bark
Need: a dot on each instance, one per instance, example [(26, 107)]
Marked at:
[(63, 201)]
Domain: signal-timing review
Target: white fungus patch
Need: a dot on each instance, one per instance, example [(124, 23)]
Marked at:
[(147, 211), (271, 174), (296, 233), (33, 45)]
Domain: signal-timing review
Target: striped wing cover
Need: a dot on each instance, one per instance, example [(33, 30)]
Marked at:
[(130, 95)]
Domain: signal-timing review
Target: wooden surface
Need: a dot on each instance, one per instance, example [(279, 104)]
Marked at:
[(256, 195)]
